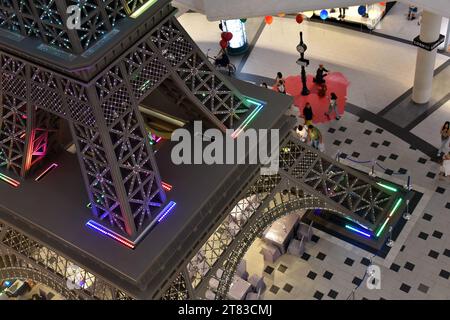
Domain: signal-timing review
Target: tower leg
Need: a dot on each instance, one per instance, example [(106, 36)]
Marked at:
[(119, 168)]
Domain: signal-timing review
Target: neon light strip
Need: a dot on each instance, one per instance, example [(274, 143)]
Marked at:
[(246, 121), (382, 227), (143, 8), (251, 116), (131, 244), (387, 187), (9, 180), (53, 165), (158, 140), (397, 204), (166, 211), (358, 231), (396, 207), (94, 225), (166, 186)]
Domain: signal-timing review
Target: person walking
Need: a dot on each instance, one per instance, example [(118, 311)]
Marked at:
[(445, 138), (342, 12), (333, 106), (308, 114), (412, 11), (314, 137), (280, 83)]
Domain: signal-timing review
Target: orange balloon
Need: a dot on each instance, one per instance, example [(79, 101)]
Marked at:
[(269, 19)]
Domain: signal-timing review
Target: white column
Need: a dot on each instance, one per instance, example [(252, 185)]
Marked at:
[(447, 38), (429, 32)]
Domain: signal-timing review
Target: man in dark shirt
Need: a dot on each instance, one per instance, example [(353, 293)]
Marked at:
[(320, 74), (308, 114)]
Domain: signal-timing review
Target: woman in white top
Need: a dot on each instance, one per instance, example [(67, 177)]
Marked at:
[(333, 106)]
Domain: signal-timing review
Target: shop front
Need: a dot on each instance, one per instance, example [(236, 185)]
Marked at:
[(366, 16)]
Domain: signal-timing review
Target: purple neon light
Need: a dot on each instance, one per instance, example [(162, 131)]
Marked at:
[(166, 210)]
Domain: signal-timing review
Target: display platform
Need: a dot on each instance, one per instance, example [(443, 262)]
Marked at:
[(54, 210), (341, 228), (374, 14), (335, 81)]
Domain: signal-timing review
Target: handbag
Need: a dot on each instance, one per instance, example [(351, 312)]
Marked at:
[(321, 147)]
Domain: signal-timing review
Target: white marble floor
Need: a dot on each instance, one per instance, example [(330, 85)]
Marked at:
[(418, 267), (429, 129), (379, 70), (395, 24)]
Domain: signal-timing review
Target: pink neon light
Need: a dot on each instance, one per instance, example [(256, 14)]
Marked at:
[(166, 186), (53, 165), (9, 180)]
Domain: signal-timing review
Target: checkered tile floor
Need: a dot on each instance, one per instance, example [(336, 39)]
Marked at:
[(418, 266)]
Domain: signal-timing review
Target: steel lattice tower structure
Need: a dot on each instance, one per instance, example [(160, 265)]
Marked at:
[(95, 77)]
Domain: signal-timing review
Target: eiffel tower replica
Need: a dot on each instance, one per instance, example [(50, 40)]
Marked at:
[(90, 206)]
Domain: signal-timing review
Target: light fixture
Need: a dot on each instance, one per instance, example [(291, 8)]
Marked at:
[(166, 186), (164, 212), (9, 180), (113, 235), (249, 119), (387, 187), (357, 230), (131, 244), (143, 8), (394, 209), (46, 171)]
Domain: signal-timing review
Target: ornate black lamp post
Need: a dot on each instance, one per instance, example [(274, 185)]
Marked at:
[(301, 48)]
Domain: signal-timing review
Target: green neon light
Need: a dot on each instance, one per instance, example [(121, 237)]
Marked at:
[(394, 209), (142, 9), (396, 206), (144, 86), (248, 119), (253, 101), (382, 227), (89, 205), (387, 187)]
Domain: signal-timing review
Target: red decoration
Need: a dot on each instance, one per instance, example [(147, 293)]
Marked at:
[(223, 35), (269, 19), (228, 36), (299, 18), (223, 43)]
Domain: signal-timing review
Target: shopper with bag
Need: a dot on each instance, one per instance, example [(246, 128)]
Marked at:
[(445, 168)]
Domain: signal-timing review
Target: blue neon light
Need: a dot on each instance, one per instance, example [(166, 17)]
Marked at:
[(166, 210), (357, 230)]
